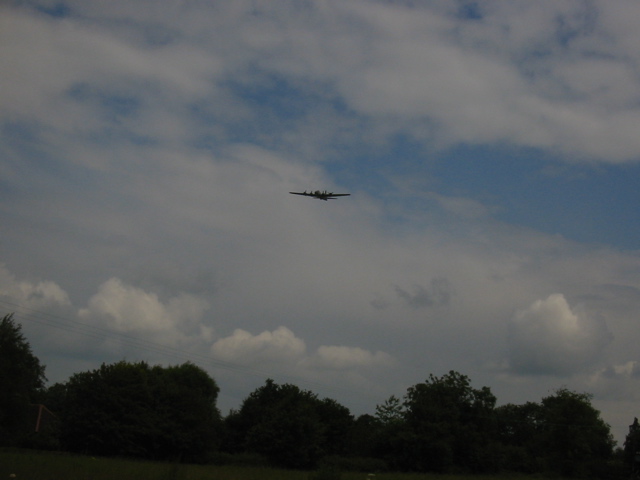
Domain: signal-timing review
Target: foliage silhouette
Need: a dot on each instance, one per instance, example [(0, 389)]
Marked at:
[(22, 382), (290, 426), (134, 410)]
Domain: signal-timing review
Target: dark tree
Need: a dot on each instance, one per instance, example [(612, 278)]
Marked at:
[(390, 433), (390, 411), (132, 409), (518, 424), (631, 452), (282, 424), (449, 425), (518, 428), (364, 436), (190, 426), (291, 427), (574, 440), (21, 381), (337, 423)]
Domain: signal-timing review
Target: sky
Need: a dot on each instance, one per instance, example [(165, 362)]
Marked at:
[(491, 150)]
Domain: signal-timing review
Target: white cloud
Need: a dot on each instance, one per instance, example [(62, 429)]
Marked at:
[(130, 309), (499, 79), (419, 70), (344, 358), (283, 346), (280, 345), (73, 53), (33, 295), (549, 337)]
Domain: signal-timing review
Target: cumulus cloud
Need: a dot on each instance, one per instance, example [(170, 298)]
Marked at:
[(549, 337), (243, 347), (34, 295), (343, 358), (282, 345), (126, 308)]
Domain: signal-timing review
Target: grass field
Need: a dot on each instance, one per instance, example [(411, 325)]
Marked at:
[(29, 465)]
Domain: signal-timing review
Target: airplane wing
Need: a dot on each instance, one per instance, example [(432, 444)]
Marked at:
[(321, 195)]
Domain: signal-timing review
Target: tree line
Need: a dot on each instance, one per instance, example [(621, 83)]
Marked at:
[(443, 424)]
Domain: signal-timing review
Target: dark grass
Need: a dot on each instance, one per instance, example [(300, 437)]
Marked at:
[(33, 465)]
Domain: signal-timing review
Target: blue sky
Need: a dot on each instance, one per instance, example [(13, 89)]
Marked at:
[(586, 203), (147, 150)]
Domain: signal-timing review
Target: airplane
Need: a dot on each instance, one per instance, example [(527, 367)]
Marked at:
[(324, 195)]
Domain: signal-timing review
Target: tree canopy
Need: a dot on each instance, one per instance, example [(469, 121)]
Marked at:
[(449, 423), (133, 409), (631, 448), (293, 428), (22, 380), (575, 440)]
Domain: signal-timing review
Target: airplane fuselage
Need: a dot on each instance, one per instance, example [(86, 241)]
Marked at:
[(321, 195)]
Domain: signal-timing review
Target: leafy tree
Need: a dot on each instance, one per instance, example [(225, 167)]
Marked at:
[(632, 447), (132, 409), (518, 427), (185, 396), (563, 435), (573, 440), (279, 422), (390, 440), (289, 426), (449, 424), (364, 436), (21, 380), (337, 422), (390, 411)]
